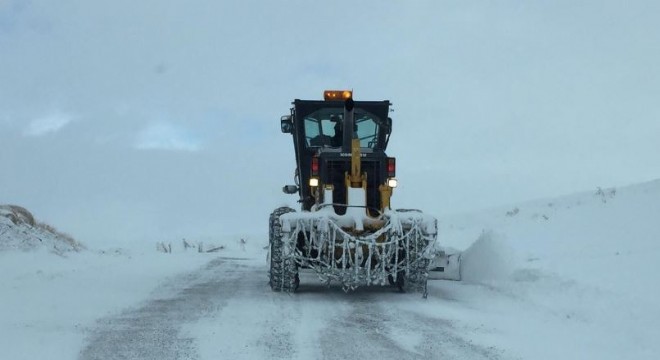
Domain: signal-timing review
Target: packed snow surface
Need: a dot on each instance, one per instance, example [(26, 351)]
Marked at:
[(567, 278)]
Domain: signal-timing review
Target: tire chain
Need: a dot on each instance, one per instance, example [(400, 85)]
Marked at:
[(283, 275)]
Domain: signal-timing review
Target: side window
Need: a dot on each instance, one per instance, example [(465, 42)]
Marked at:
[(311, 129), (367, 131)]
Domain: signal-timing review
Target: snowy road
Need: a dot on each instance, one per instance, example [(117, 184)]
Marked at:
[(153, 330), (226, 310)]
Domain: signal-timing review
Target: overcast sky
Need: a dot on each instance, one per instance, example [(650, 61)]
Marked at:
[(143, 120)]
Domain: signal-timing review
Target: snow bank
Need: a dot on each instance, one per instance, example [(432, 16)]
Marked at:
[(582, 283)]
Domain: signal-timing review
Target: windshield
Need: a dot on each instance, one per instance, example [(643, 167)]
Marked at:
[(324, 128)]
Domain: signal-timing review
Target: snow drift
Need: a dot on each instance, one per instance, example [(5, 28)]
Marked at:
[(582, 282)]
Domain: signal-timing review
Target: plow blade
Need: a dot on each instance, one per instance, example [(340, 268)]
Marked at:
[(395, 249), (446, 266)]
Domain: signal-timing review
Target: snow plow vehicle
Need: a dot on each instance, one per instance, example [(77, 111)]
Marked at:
[(347, 231)]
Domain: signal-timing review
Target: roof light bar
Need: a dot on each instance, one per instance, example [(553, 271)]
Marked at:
[(330, 95)]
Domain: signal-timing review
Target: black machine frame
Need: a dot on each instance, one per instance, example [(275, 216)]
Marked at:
[(334, 162)]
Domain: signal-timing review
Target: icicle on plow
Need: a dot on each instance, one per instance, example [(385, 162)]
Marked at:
[(399, 252)]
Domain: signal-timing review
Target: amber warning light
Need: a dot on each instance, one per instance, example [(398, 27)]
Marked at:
[(337, 95)]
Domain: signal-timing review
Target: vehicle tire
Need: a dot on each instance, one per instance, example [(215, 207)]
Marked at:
[(417, 276), (283, 275)]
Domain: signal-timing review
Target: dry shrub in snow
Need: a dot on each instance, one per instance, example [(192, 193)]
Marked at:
[(66, 238), (17, 214)]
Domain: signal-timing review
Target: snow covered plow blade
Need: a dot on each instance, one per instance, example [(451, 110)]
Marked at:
[(397, 250), (346, 230)]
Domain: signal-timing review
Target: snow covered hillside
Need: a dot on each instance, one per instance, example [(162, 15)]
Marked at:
[(608, 237), (19, 230), (588, 261)]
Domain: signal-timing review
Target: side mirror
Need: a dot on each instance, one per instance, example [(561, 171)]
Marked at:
[(290, 189), (286, 124), (389, 126)]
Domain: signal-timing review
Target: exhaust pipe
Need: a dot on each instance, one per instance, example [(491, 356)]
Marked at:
[(349, 125)]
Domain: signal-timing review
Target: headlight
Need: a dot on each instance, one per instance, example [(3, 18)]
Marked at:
[(313, 182), (391, 182)]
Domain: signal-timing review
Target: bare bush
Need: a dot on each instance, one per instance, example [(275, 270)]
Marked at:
[(66, 238), (186, 245), (23, 214), (605, 194), (164, 248), (513, 212), (17, 214)]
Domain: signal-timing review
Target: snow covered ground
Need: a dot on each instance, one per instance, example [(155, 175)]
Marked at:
[(49, 303), (573, 278)]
